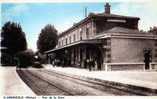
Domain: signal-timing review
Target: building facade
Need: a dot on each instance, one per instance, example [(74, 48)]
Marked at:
[(107, 41)]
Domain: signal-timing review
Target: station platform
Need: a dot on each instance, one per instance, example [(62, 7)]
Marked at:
[(143, 80), (11, 84)]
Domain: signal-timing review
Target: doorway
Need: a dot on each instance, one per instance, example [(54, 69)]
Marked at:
[(147, 58)]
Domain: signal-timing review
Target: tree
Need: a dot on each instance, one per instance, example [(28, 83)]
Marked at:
[(13, 41), (47, 39), (13, 38)]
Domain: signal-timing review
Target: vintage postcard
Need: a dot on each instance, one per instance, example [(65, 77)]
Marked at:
[(89, 49)]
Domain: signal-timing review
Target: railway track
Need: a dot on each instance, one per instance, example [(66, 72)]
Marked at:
[(70, 86), (45, 82), (39, 85), (90, 83)]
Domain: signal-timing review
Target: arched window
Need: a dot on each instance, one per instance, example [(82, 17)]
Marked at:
[(80, 34), (74, 37), (87, 33)]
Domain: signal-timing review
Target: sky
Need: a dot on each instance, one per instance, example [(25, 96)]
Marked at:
[(34, 16)]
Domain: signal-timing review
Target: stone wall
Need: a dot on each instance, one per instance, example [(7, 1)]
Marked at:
[(130, 49), (125, 66), (128, 66)]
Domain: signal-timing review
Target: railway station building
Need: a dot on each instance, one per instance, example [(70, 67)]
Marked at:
[(112, 41)]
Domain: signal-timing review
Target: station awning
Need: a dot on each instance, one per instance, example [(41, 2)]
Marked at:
[(91, 41)]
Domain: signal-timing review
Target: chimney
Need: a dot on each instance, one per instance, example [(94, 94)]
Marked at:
[(107, 8)]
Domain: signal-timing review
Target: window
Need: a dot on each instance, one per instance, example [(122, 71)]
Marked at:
[(105, 41), (74, 37), (155, 55), (108, 49), (66, 41), (62, 42), (109, 55), (108, 41), (59, 43), (87, 33), (81, 35), (80, 31), (70, 39), (155, 42)]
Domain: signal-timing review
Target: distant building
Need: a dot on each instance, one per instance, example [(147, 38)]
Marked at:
[(112, 41)]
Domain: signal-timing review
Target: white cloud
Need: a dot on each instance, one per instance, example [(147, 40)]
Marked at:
[(32, 45), (63, 27), (15, 11), (19, 9), (146, 11)]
